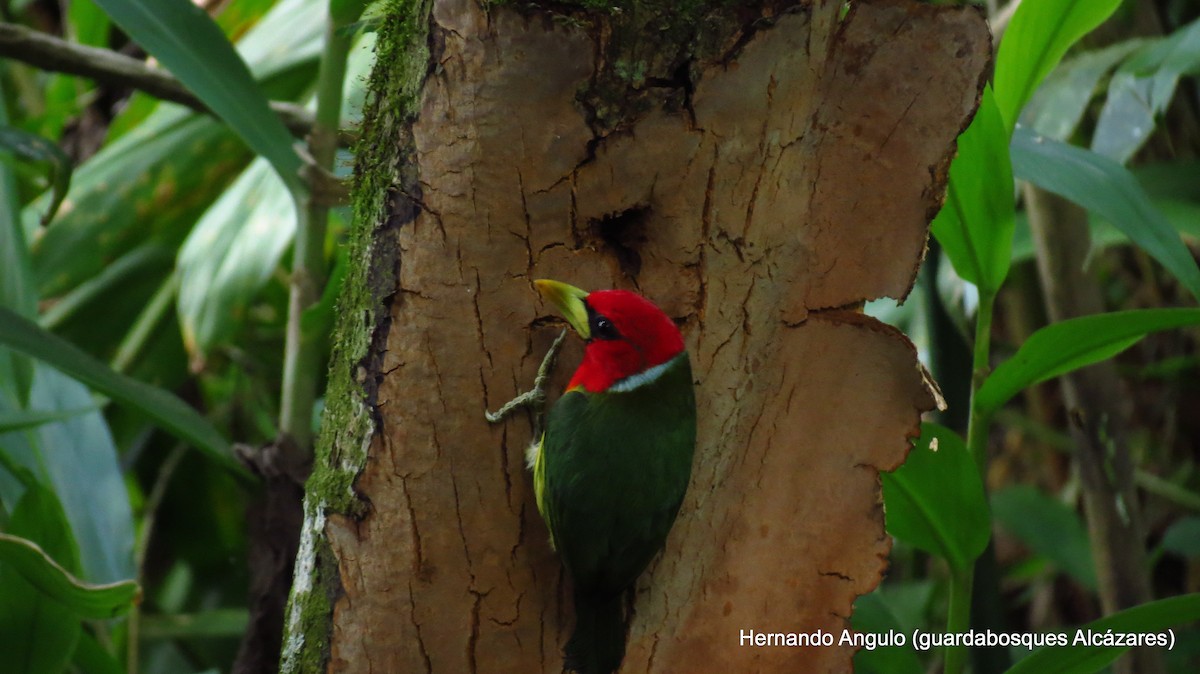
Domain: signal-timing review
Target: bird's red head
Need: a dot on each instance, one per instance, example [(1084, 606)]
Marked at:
[(625, 333)]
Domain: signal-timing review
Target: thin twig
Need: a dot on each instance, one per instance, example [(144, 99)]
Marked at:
[(113, 69)]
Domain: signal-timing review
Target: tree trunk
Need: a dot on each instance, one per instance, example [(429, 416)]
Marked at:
[(1098, 406), (758, 174)]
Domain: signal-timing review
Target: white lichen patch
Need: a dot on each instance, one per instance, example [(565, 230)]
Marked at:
[(306, 561)]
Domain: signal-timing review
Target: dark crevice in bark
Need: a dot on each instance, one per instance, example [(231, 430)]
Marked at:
[(622, 234)]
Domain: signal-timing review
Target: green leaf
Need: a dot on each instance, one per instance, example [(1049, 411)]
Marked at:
[(975, 226), (171, 413), (87, 23), (96, 602), (185, 40), (33, 147), (1107, 189), (92, 658), (79, 461), (19, 420), (1048, 528), (1141, 91), (935, 501), (1183, 216), (1059, 103), (1183, 537), (1071, 344), (872, 616), (147, 187), (1153, 617), (1038, 36), (229, 256), (37, 633)]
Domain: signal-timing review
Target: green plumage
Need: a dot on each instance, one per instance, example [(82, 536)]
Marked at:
[(610, 476)]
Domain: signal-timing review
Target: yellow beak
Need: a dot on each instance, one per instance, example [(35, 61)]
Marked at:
[(569, 301)]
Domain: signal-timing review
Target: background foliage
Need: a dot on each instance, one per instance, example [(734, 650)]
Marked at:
[(150, 250)]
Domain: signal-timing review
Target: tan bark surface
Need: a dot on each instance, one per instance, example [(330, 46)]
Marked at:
[(801, 180)]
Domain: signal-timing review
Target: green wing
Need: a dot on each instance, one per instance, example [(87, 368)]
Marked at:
[(611, 473)]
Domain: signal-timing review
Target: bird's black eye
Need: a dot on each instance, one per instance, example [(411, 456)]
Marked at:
[(602, 328)]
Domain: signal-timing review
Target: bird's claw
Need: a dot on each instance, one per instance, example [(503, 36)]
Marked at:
[(536, 397)]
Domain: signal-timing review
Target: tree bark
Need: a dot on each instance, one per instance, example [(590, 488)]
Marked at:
[(758, 174)]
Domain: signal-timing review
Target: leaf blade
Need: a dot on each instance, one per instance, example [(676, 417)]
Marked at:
[(181, 36), (1155, 616), (935, 499), (171, 413), (1068, 345), (94, 601), (1040, 33), (1109, 190), (975, 227)]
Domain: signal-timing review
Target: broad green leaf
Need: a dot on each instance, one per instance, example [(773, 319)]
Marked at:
[(1183, 537), (185, 40), (76, 458), (240, 240), (81, 464), (1184, 217), (37, 633), (1153, 617), (1035, 41), (231, 253), (87, 24), (92, 658), (975, 225), (1059, 103), (1141, 91), (1071, 344), (1048, 528), (32, 147), (872, 616), (148, 187), (96, 602), (171, 413), (935, 501), (1107, 189), (1126, 120)]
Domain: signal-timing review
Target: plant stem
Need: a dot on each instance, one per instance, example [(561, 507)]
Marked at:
[(977, 428), (961, 580), (53, 54), (958, 618), (302, 353)]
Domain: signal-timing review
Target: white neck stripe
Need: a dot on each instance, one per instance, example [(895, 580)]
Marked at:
[(635, 381)]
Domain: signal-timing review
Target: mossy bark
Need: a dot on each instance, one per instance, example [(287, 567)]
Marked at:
[(758, 170)]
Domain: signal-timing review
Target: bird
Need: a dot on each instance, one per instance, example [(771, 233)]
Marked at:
[(612, 465)]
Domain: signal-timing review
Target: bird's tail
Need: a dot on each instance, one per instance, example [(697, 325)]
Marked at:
[(598, 643)]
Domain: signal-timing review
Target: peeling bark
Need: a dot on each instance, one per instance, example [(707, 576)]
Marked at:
[(758, 196)]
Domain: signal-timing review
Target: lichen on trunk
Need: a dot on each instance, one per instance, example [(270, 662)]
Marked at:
[(758, 170)]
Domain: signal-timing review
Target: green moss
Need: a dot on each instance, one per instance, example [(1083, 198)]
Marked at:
[(362, 320)]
